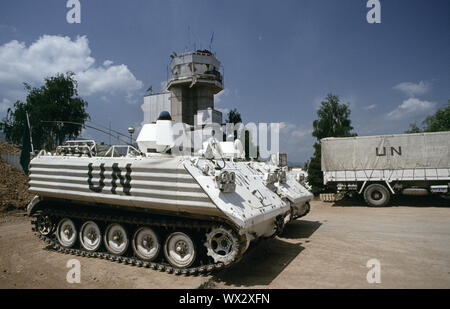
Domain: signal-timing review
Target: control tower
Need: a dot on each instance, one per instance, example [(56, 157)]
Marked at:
[(195, 79)]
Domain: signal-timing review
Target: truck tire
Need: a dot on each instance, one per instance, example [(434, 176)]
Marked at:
[(445, 196), (377, 195)]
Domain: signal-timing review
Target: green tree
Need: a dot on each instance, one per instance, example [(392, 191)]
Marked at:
[(234, 117), (440, 121), (57, 100), (333, 121), (413, 128)]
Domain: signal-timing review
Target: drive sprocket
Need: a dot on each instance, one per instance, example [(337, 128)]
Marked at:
[(222, 245)]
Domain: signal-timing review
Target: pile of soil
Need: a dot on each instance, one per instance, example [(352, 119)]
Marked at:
[(14, 193), (8, 148)]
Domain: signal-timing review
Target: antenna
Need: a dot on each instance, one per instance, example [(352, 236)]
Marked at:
[(211, 42), (92, 127), (197, 42), (189, 39), (109, 132), (167, 76)]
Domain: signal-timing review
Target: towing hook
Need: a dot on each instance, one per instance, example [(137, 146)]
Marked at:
[(279, 225)]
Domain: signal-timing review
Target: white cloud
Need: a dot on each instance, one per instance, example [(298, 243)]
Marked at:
[(287, 126), (163, 86), (7, 28), (109, 80), (4, 105), (412, 89), (296, 140), (369, 107), (292, 133), (50, 55), (107, 63), (218, 98), (412, 107)]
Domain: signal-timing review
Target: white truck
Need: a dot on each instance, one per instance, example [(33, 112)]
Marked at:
[(381, 166)]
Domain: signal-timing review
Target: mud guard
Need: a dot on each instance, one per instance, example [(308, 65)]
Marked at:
[(32, 206)]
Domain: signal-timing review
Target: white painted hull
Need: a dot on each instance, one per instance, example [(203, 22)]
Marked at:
[(159, 183)]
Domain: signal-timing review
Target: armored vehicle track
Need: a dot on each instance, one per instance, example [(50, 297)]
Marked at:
[(174, 245)]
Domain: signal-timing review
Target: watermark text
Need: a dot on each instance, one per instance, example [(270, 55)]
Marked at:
[(74, 14), (74, 274)]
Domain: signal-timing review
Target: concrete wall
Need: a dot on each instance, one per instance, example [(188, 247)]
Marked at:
[(186, 102), (194, 82), (208, 116), (193, 63), (154, 104)]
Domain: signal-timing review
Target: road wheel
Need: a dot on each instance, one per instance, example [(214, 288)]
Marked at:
[(66, 233), (146, 244), (376, 195), (90, 236), (179, 250), (116, 239)]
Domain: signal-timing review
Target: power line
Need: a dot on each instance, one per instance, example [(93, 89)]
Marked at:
[(92, 127)]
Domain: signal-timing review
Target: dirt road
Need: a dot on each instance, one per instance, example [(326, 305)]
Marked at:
[(327, 249)]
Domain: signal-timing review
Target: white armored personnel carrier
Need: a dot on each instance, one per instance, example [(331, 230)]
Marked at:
[(155, 208), (164, 204)]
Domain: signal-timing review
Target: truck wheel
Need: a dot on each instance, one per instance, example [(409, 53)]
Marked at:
[(376, 195), (445, 196)]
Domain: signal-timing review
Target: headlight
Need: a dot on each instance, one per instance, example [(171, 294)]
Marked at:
[(232, 176), (227, 182), (224, 178)]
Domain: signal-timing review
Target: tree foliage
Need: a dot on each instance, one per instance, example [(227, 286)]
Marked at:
[(57, 100), (413, 128), (440, 121), (333, 121), (234, 117)]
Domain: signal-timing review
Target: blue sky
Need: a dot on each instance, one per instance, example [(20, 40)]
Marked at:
[(280, 58)]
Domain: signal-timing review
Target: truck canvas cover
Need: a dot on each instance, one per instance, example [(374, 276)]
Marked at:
[(387, 152)]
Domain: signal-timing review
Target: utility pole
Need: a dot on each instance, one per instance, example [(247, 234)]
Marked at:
[(29, 127)]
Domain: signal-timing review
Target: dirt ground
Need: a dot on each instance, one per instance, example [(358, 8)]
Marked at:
[(14, 195), (329, 248)]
